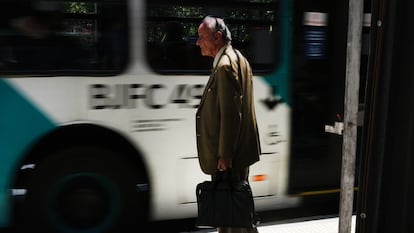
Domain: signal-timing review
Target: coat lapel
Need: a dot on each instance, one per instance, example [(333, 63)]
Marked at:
[(212, 77), (210, 81)]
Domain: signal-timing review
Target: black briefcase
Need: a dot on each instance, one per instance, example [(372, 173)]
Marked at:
[(225, 203)]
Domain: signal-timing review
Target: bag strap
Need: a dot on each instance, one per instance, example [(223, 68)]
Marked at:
[(239, 70), (223, 176)]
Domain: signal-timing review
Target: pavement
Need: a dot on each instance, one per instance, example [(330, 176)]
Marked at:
[(326, 225)]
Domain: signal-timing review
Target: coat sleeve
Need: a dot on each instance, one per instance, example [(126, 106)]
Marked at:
[(229, 103)]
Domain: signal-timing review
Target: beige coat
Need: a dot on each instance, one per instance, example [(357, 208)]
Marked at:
[(225, 120)]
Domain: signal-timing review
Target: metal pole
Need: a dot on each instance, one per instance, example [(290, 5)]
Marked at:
[(355, 15)]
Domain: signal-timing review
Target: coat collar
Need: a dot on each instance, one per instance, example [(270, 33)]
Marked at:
[(218, 56)]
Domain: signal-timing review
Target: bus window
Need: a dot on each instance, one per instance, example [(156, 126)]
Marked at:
[(171, 33), (63, 37)]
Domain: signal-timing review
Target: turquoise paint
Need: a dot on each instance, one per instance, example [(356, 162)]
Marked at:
[(281, 78), (21, 124)]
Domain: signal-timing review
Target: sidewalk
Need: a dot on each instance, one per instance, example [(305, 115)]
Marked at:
[(328, 225)]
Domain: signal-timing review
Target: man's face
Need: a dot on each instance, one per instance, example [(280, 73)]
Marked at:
[(206, 41)]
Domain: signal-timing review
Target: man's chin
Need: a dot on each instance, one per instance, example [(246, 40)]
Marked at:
[(205, 55)]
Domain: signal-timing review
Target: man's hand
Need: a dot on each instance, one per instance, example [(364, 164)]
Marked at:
[(223, 165)]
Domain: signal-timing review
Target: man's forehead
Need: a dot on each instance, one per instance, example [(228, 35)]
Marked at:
[(203, 28)]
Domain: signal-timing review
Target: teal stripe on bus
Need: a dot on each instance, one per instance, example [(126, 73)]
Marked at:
[(280, 80), (21, 123)]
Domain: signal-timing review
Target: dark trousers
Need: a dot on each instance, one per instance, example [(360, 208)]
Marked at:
[(238, 174)]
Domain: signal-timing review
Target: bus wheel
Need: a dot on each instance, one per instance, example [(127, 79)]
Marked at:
[(84, 189)]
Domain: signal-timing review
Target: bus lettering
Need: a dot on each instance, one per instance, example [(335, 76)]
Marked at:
[(125, 96), (150, 100), (187, 96)]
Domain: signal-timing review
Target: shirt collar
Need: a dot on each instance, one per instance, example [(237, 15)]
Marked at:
[(218, 55)]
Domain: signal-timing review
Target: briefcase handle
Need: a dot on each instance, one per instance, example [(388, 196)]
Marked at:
[(225, 177)]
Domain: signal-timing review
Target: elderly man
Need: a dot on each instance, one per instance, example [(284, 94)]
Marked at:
[(227, 135)]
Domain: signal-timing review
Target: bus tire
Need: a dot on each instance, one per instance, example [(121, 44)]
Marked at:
[(84, 189)]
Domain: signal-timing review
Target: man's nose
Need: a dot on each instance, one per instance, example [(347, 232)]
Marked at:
[(197, 42)]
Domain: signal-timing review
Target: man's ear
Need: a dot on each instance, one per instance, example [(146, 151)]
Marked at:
[(218, 35)]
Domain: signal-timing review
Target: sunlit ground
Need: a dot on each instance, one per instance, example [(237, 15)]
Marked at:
[(328, 225)]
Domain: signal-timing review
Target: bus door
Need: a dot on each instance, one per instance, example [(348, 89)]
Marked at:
[(318, 86)]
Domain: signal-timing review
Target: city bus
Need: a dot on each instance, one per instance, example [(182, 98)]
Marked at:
[(98, 101)]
